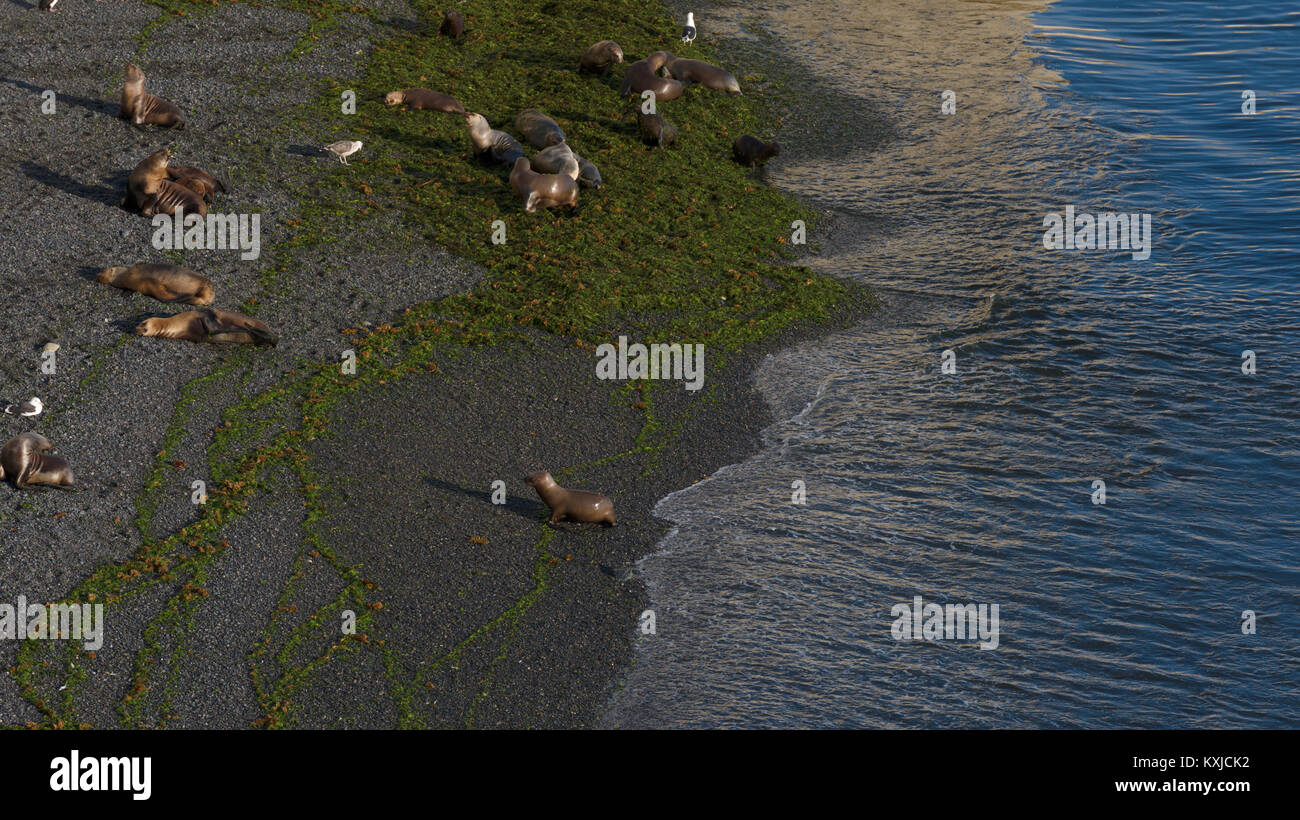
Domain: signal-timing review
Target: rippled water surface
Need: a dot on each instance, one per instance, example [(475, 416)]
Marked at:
[(1072, 366)]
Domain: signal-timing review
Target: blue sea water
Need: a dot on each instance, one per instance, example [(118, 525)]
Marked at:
[(1072, 367)]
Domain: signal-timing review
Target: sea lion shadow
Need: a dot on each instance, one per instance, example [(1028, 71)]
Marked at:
[(128, 324), (28, 6), (96, 106), (515, 504), (89, 274), (95, 193)]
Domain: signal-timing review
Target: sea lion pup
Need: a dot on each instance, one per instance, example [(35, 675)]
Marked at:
[(544, 190), (655, 129), (422, 99), (141, 107), (164, 282), (641, 76), (751, 151), (490, 144), (148, 174), (197, 180), (558, 159), (24, 461), (540, 130), (575, 505), (698, 71), (172, 196), (452, 25), (209, 325), (598, 58), (588, 173)]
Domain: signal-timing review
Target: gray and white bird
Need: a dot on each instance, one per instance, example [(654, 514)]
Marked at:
[(688, 31), (343, 149), (48, 5), (31, 407)]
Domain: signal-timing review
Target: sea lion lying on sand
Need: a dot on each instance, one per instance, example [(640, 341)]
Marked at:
[(209, 325), (164, 282)]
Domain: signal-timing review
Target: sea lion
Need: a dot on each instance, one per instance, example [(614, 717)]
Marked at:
[(706, 74), (544, 190), (490, 144), (641, 76), (197, 180), (452, 25), (422, 99), (148, 174), (752, 151), (655, 129), (558, 159), (141, 107), (575, 505), (602, 55), (588, 173), (209, 325), (24, 461), (540, 130), (164, 282), (172, 196)]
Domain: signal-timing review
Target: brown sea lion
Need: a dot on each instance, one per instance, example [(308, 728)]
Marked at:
[(641, 76), (698, 71), (197, 180), (210, 325), (602, 55), (172, 196), (452, 25), (655, 129), (164, 282), (752, 151), (540, 130), (490, 144), (575, 505), (148, 174), (422, 99), (542, 190), (558, 159), (141, 107), (588, 173), (23, 461)]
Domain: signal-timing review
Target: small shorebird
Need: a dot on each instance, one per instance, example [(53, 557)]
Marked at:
[(31, 407), (688, 32), (343, 149)]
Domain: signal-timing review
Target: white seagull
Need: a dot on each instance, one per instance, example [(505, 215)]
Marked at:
[(343, 149), (688, 33), (31, 407)]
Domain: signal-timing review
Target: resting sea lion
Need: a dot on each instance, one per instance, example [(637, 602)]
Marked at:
[(655, 130), (600, 57), (197, 180), (588, 173), (422, 99), (452, 25), (23, 461), (575, 505), (753, 151), (539, 129), (140, 107), (172, 196), (544, 190), (558, 159), (641, 77), (164, 282), (698, 71), (210, 325), (490, 144), (148, 174)]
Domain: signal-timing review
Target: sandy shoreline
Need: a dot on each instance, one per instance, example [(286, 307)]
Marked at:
[(530, 628)]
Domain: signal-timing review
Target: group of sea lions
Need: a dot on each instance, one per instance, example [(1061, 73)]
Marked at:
[(155, 186)]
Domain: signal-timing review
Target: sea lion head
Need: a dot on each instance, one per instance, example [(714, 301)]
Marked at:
[(659, 59), (393, 98), (109, 275), (540, 479), (133, 73), (154, 326), (616, 50)]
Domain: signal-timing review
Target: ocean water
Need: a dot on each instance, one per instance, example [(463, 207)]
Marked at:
[(1072, 366)]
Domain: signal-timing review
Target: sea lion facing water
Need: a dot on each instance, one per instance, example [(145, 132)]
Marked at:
[(540, 130), (24, 461), (210, 325), (641, 76), (542, 190), (749, 150), (490, 144), (164, 282), (602, 55), (141, 107), (655, 129), (575, 505), (422, 99), (698, 71)]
